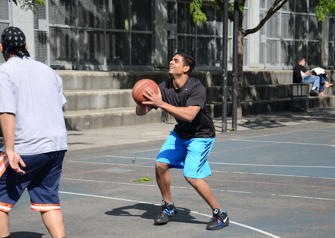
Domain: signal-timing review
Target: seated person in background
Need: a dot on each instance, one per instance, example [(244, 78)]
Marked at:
[(323, 78), (302, 75)]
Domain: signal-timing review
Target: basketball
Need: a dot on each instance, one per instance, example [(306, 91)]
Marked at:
[(139, 89)]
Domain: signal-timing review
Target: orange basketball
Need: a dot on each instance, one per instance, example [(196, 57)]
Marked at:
[(139, 88)]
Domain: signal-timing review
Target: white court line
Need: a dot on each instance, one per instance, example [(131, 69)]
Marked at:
[(220, 171), (189, 188), (122, 157), (305, 197), (277, 175), (193, 212), (211, 162), (284, 142), (119, 183), (275, 165)]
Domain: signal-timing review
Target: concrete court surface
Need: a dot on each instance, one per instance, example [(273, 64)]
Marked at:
[(275, 176)]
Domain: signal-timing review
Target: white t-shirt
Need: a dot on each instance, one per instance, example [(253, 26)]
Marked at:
[(34, 93)]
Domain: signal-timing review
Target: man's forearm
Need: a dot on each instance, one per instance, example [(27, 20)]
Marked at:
[(181, 113), (7, 122)]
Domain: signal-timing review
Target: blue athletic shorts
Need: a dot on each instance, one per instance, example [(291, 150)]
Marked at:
[(190, 155), (43, 172)]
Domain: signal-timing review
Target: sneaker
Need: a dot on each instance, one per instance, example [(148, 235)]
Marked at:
[(218, 221), (313, 92), (168, 210)]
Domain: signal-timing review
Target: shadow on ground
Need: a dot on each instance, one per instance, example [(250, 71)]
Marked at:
[(26, 234), (149, 211)]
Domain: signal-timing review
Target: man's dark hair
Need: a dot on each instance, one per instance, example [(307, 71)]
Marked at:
[(300, 59), (188, 60)]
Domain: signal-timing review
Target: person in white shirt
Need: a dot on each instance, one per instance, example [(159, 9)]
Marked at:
[(34, 133)]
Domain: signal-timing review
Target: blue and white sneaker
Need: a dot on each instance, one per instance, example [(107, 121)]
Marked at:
[(168, 211), (219, 220)]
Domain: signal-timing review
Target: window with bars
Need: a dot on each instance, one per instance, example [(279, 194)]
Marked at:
[(298, 34), (101, 34), (106, 34), (4, 19), (203, 41)]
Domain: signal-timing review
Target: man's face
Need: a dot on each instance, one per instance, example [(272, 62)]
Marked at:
[(302, 62), (177, 66)]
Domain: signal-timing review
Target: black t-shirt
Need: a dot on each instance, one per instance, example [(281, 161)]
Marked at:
[(193, 93), (297, 73)]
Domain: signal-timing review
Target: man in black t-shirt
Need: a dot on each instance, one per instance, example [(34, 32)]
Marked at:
[(188, 146), (298, 69), (302, 75)]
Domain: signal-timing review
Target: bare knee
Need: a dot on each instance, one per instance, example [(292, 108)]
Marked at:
[(53, 220), (161, 167), (4, 224), (192, 181)]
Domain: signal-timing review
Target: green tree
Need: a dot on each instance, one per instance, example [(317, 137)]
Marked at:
[(199, 16), (28, 4), (323, 9)]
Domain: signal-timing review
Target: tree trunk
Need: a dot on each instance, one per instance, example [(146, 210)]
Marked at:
[(240, 45)]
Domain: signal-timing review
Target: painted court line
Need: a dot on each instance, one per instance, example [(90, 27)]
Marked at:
[(188, 188), (285, 142), (274, 165), (144, 202), (134, 158), (304, 197), (276, 175)]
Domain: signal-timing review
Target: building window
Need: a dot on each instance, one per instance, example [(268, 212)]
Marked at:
[(4, 19), (203, 41), (100, 34), (298, 34), (119, 34)]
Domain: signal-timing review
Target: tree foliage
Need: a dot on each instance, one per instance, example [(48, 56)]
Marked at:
[(196, 11), (324, 8), (28, 4), (219, 4)]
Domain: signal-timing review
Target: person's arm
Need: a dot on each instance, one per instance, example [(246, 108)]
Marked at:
[(304, 74), (7, 122), (142, 109), (182, 113)]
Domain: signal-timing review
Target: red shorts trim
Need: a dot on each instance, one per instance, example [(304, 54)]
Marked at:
[(5, 207), (44, 207), (3, 162)]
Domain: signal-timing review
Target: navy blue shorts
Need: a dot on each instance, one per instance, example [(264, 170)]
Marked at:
[(43, 172), (190, 155)]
